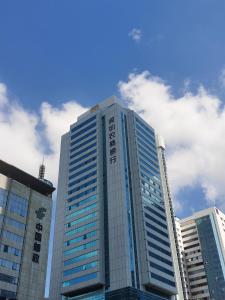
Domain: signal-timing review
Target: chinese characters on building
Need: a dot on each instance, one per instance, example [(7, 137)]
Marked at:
[(38, 235), (112, 140)]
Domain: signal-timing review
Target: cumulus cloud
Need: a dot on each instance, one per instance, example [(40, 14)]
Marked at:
[(193, 127), (135, 34), (27, 136)]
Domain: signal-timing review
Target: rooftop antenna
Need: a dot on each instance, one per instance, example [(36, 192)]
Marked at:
[(41, 174)]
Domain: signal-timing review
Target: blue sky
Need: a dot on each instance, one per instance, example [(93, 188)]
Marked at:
[(60, 50), (53, 53)]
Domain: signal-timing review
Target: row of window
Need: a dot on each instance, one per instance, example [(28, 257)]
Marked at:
[(82, 171), (150, 244), (160, 268), (80, 258), (82, 178), (81, 238), (157, 238), (73, 136), (162, 279), (12, 236), (82, 157), (151, 188), (148, 152), (81, 228), (148, 172), (85, 218), (148, 148), (81, 268), (83, 164), (160, 258), (16, 204), (147, 143), (145, 127), (93, 189), (80, 248), (77, 127), (151, 181), (14, 223), (82, 202), (146, 134), (153, 171), (147, 158), (79, 279), (5, 263), (150, 195), (82, 150), (150, 201), (155, 221), (156, 229), (83, 137), (8, 278), (7, 294), (153, 211), (10, 250), (81, 211), (82, 186), (83, 144)]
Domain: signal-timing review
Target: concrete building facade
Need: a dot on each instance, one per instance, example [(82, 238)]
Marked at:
[(114, 229), (202, 247), (25, 216)]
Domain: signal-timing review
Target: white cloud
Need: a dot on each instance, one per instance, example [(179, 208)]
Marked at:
[(24, 134), (193, 127), (135, 34)]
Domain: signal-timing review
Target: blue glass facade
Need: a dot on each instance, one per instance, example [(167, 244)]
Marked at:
[(115, 222), (210, 254)]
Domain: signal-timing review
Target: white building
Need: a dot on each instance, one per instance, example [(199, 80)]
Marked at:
[(202, 248)]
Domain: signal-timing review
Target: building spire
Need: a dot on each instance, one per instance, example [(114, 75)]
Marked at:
[(41, 174)]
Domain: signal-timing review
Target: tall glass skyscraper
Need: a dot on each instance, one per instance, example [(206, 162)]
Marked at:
[(114, 229)]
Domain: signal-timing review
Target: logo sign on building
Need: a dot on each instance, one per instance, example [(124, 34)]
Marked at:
[(112, 140), (40, 214)]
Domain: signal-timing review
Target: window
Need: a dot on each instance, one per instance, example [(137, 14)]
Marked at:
[(18, 205), (82, 178), (87, 217), (83, 144), (9, 264), (77, 127), (83, 137), (93, 197), (80, 268), (8, 278), (160, 258), (11, 250), (81, 211), (14, 223), (162, 279), (82, 171), (81, 228), (80, 258), (82, 186), (82, 194), (81, 247), (82, 157), (83, 164), (79, 279), (12, 236), (81, 238), (83, 150)]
